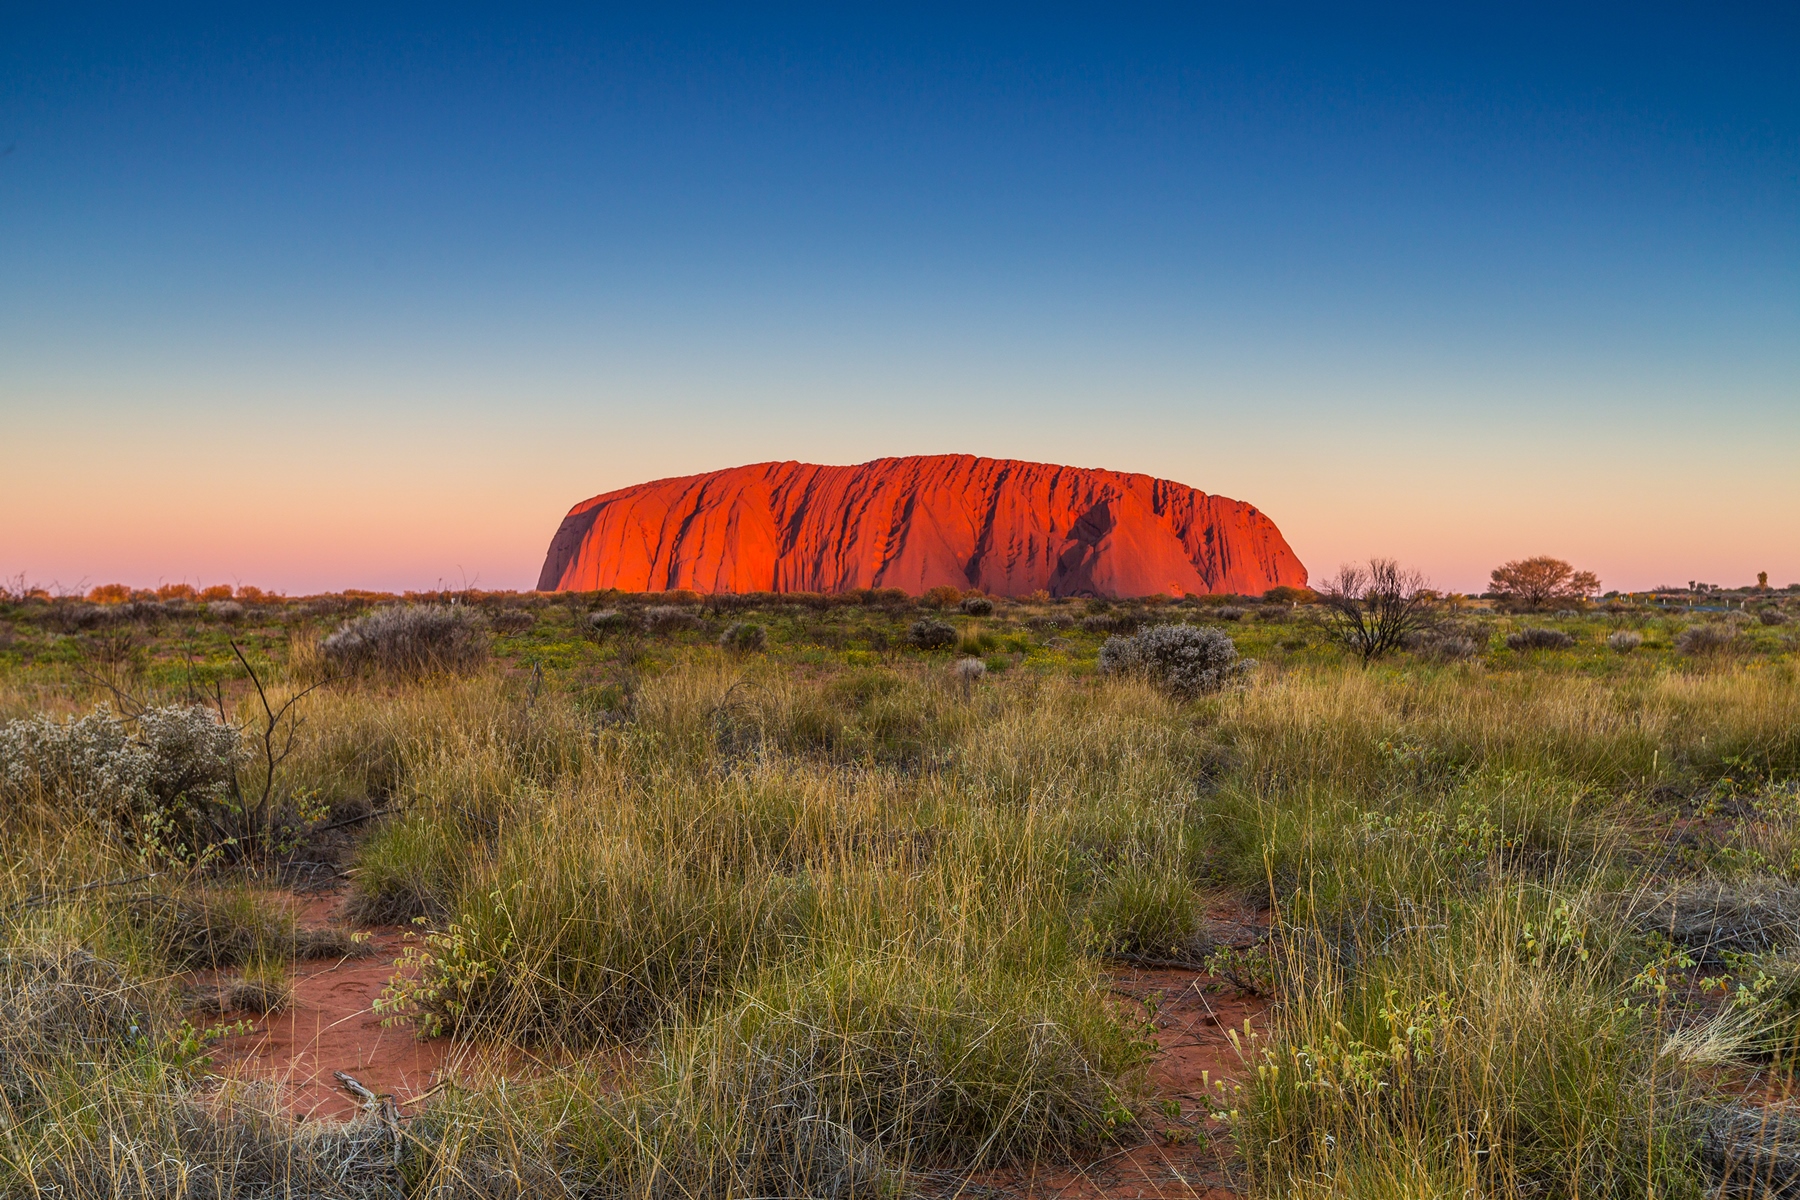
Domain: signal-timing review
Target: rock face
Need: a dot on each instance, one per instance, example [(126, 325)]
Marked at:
[(1008, 528)]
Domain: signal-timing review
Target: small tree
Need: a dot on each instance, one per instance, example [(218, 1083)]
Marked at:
[(1375, 608), (1542, 582)]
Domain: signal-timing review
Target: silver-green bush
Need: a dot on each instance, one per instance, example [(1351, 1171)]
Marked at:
[(1185, 660), (410, 641)]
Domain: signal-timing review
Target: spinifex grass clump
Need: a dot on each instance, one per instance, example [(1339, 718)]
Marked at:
[(924, 1065)]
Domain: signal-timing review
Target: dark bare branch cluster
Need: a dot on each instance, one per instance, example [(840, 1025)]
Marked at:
[(1375, 607)]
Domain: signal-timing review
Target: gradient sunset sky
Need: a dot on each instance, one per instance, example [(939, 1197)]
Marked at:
[(338, 297)]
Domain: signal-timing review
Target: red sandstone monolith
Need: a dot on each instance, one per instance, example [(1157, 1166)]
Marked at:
[(1004, 527)]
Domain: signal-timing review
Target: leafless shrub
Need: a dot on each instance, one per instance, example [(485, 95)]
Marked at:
[(1538, 639), (1185, 660), (1705, 639), (1272, 614), (1373, 609), (977, 605), (410, 641), (1772, 616), (1109, 623), (1624, 640), (228, 611)]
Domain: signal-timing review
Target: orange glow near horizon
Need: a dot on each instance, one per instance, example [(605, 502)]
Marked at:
[(295, 513)]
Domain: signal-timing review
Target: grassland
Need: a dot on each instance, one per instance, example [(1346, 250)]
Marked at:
[(833, 917)]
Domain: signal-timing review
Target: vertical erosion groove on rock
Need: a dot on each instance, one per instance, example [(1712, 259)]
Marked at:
[(1008, 528)]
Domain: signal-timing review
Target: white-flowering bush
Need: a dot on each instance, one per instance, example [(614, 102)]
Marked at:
[(1185, 660), (178, 767), (410, 640)]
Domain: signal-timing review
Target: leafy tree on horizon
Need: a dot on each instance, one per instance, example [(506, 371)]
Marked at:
[(1541, 582)]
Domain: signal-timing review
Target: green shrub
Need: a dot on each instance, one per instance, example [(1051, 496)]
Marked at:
[(931, 634)]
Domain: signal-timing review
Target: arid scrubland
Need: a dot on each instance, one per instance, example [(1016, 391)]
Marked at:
[(780, 898)]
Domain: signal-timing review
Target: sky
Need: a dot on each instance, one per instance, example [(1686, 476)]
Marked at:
[(315, 297)]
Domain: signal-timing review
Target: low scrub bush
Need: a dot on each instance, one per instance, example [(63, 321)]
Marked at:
[(1447, 643), (410, 641), (608, 620), (1772, 616), (1534, 638), (942, 596), (670, 618), (931, 634), (743, 637), (1624, 640), (1184, 660), (166, 783), (977, 605), (1705, 639)]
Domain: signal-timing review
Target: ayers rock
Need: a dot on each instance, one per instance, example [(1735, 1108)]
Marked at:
[(1008, 528)]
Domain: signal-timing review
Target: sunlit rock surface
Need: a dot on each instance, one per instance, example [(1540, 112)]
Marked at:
[(1005, 527)]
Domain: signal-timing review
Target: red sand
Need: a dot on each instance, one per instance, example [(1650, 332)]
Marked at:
[(1005, 527), (331, 1026), (1194, 1047)]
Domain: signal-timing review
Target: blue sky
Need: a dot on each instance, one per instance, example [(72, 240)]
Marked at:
[(340, 298)]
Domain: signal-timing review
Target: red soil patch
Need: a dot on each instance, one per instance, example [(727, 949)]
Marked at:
[(1190, 1154), (331, 1026)]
